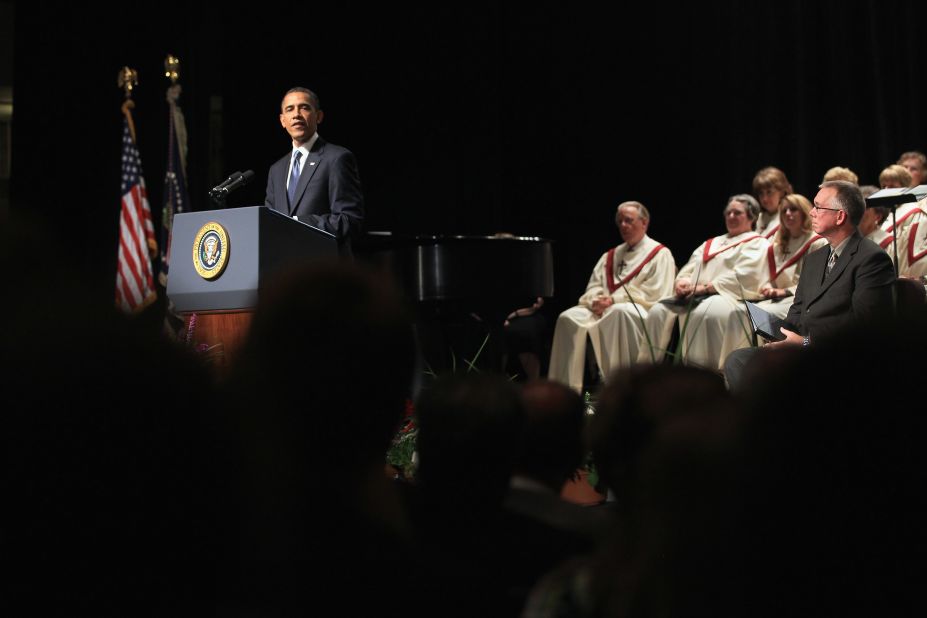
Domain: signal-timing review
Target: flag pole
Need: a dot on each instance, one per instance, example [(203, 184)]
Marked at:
[(176, 198), (134, 285), (128, 80)]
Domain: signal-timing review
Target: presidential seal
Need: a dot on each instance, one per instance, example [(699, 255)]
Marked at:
[(210, 250)]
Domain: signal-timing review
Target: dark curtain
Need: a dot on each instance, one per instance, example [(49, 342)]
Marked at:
[(477, 118)]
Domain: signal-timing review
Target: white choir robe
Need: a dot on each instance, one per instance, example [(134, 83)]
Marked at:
[(788, 269), (884, 240), (719, 324), (616, 336), (912, 247), (767, 224), (904, 215)]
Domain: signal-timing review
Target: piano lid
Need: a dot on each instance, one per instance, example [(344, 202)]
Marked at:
[(496, 269)]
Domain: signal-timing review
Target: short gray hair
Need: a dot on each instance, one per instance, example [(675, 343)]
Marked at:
[(642, 211), (847, 198), (753, 207)]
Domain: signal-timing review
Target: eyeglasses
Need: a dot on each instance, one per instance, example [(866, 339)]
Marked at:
[(816, 207)]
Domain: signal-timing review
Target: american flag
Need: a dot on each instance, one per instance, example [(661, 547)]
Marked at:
[(134, 285)]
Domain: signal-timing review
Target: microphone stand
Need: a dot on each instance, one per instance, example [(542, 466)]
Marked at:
[(218, 198), (895, 238)]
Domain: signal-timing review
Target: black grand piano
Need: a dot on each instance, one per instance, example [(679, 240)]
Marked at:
[(461, 288)]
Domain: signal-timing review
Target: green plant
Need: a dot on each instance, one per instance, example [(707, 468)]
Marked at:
[(640, 317), (592, 475), (401, 453)]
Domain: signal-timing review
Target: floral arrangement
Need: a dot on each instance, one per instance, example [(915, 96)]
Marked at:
[(401, 454)]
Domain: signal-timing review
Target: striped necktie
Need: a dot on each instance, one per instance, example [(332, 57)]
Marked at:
[(294, 177), (830, 262)]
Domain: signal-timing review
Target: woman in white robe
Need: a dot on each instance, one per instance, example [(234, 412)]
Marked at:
[(785, 256), (721, 272), (770, 185)]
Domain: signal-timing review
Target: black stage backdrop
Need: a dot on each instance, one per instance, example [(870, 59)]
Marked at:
[(474, 118)]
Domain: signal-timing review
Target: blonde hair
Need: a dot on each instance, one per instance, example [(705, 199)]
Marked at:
[(802, 203), (841, 173), (895, 174)]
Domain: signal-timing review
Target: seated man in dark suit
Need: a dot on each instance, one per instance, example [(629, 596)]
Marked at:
[(850, 280)]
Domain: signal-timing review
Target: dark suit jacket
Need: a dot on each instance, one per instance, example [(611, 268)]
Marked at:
[(328, 195), (859, 288)]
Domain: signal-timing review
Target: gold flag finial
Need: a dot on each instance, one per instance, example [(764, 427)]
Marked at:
[(128, 79), (172, 68)]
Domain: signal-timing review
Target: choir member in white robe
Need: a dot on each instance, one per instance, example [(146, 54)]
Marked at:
[(895, 177), (903, 216), (916, 164), (625, 283), (912, 246), (770, 185), (785, 256), (893, 226), (723, 271), (870, 226)]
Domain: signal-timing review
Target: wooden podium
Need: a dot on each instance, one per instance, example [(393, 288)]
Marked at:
[(221, 259)]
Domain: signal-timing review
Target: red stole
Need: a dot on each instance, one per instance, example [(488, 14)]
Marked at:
[(610, 269), (708, 256), (771, 258), (892, 227), (912, 234)]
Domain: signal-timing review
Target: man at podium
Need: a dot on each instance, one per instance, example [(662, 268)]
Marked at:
[(317, 182)]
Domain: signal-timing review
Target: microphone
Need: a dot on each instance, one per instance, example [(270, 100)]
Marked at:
[(233, 176), (236, 183)]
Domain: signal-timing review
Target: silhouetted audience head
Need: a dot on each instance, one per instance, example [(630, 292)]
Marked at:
[(108, 479), (552, 444), (665, 439), (329, 361), (832, 475), (469, 428), (320, 389), (636, 406)]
